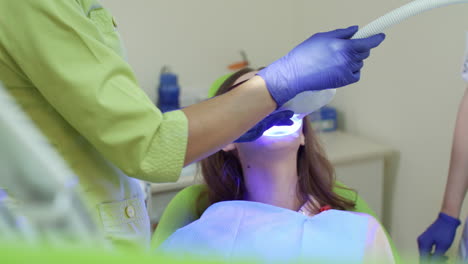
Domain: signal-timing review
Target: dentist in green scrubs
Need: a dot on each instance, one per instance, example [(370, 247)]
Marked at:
[(62, 62)]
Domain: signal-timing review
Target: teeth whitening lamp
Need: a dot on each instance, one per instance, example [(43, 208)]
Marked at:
[(310, 101), (280, 131)]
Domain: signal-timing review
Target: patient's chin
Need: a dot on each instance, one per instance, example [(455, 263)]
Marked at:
[(270, 143)]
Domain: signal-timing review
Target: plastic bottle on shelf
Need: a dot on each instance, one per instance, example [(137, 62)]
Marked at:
[(168, 91)]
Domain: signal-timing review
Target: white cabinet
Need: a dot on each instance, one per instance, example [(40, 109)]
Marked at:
[(359, 163)]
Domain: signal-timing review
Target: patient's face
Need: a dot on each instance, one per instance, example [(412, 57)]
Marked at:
[(290, 142), (276, 138)]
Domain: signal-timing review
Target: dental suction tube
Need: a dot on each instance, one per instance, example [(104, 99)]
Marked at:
[(310, 101), (399, 15)]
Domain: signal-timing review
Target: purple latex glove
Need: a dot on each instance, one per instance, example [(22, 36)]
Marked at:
[(282, 118), (325, 60), (440, 234)]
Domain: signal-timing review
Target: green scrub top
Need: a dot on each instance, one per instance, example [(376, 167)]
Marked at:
[(62, 60)]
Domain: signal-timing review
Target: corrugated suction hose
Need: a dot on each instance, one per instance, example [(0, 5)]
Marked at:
[(310, 101)]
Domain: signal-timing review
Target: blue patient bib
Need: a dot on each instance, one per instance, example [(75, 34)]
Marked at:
[(241, 230)]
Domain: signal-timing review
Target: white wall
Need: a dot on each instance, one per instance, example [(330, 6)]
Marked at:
[(407, 99), (198, 39)]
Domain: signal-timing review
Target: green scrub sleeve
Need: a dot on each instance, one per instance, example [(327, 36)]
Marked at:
[(62, 51)]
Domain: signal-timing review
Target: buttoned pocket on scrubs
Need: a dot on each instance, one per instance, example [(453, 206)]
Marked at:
[(105, 23), (126, 222), (103, 20)]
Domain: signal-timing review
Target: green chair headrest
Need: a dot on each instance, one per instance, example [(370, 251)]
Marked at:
[(217, 84)]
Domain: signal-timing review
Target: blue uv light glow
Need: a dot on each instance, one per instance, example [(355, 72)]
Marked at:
[(280, 131)]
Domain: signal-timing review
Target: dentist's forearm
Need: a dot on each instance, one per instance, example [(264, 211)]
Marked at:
[(221, 120)]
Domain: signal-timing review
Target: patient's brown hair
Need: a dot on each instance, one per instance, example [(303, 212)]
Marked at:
[(223, 173)]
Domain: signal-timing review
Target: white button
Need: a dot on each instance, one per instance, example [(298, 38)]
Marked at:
[(130, 211)]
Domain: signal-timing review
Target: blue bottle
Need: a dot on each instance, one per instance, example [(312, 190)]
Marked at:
[(329, 119), (168, 92), (324, 120)]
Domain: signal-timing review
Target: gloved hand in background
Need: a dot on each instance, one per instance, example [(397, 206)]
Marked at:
[(325, 60), (282, 118), (439, 235)]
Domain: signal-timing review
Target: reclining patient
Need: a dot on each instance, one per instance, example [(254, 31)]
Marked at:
[(272, 201)]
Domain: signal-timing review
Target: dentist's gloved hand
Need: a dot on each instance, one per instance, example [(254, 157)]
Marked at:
[(282, 118), (440, 234), (325, 60)]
